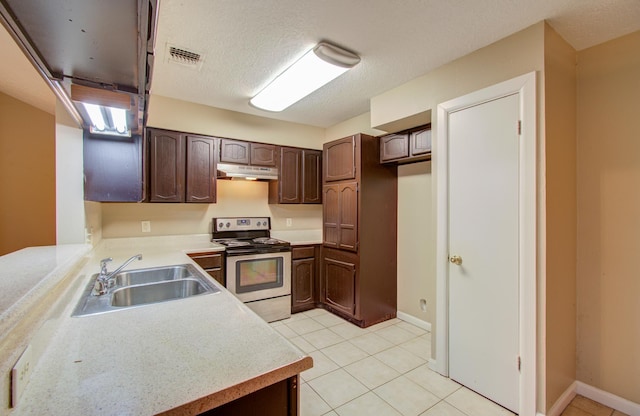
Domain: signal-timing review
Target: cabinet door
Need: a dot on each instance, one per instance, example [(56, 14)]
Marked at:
[(201, 169), (234, 151), (303, 282), (339, 283), (311, 177), (290, 187), (166, 166), (263, 155), (421, 142), (394, 146), (331, 215), (340, 159), (348, 197), (112, 168)]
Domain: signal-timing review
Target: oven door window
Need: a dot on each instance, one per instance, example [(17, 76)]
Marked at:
[(259, 274)]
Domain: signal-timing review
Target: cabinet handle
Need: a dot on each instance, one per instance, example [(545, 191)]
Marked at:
[(457, 260)]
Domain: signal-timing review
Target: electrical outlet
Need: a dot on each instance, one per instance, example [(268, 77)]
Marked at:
[(289, 222), (20, 375), (146, 226)]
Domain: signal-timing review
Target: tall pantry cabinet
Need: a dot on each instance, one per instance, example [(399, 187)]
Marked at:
[(359, 261)]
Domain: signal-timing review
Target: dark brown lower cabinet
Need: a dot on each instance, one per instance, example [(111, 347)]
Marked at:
[(339, 273), (212, 263), (279, 399), (304, 284)]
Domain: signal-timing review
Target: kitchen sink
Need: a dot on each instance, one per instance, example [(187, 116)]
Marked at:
[(156, 292), (135, 288), (158, 274)]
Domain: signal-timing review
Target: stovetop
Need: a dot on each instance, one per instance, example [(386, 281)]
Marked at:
[(247, 235)]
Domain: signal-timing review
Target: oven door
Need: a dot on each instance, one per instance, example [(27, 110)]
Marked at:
[(254, 277)]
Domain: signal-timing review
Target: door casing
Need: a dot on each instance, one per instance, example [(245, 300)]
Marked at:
[(525, 86)]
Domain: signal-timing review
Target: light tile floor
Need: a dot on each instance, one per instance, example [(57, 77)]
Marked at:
[(581, 406), (380, 370)]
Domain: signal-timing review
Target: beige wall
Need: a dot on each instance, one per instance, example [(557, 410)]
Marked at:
[(169, 113), (235, 198), (609, 216), (560, 189), (515, 55), (27, 176)]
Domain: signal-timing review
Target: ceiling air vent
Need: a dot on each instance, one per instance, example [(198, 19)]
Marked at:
[(184, 57)]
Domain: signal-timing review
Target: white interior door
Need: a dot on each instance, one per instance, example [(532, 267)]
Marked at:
[(484, 234)]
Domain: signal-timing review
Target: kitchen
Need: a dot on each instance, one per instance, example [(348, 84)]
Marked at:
[(414, 210)]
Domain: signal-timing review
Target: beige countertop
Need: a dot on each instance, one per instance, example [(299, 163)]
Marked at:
[(182, 357), (298, 237)]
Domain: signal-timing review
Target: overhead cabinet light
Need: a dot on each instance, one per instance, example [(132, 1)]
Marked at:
[(107, 110), (316, 68)]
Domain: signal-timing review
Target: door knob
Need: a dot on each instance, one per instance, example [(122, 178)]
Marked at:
[(457, 260)]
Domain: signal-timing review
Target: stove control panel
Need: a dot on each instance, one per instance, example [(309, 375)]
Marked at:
[(241, 224)]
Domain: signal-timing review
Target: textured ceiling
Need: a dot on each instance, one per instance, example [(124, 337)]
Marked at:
[(246, 43)]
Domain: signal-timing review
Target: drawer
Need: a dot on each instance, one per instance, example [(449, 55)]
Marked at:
[(218, 276), (207, 261), (302, 252)]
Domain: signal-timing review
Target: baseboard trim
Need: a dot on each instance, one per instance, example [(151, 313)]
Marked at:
[(608, 399), (593, 393), (433, 365), (563, 401), (413, 320)]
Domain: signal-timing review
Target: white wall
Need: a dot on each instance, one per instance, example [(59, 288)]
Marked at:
[(70, 218)]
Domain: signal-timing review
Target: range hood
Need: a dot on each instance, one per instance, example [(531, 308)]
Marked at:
[(229, 171)]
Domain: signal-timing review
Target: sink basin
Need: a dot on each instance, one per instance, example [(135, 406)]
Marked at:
[(156, 292), (158, 274), (135, 288)]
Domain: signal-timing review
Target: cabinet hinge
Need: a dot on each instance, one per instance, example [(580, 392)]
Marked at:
[(519, 363), (519, 127)]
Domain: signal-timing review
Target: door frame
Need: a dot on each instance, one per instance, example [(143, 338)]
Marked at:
[(525, 86)]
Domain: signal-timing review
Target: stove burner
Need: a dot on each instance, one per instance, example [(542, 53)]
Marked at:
[(266, 240)]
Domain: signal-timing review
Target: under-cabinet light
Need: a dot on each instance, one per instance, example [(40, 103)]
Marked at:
[(95, 114), (119, 117), (316, 68)]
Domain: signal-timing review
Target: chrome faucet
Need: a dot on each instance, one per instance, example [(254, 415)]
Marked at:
[(105, 279)]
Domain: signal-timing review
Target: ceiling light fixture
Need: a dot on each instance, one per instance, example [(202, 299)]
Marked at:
[(316, 68)]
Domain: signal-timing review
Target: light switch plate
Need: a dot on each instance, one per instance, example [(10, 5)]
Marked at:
[(146, 226), (20, 375)]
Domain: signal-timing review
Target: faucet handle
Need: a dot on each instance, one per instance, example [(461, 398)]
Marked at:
[(103, 265)]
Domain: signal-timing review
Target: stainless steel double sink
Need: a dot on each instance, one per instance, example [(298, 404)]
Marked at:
[(140, 287)]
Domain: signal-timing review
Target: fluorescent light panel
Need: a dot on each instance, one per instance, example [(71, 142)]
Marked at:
[(99, 125), (95, 114), (317, 67)]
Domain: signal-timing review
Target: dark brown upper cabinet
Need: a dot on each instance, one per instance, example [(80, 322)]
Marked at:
[(201, 169), (262, 154), (311, 176), (234, 151), (299, 177), (182, 167), (340, 160), (406, 147), (246, 153), (113, 168)]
